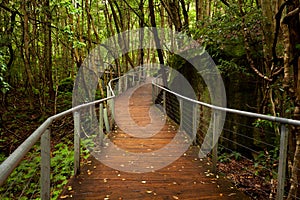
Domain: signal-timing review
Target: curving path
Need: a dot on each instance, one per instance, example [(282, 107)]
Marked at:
[(186, 178)]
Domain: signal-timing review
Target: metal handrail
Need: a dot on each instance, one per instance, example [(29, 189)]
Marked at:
[(283, 133), (230, 110), (7, 167), (10, 163)]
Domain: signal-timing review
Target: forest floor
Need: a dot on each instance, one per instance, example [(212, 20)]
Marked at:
[(246, 177), (18, 121)]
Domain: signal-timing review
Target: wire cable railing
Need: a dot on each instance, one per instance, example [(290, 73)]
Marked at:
[(193, 116), (231, 139), (44, 153)]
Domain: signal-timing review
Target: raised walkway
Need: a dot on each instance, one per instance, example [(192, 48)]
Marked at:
[(187, 178)]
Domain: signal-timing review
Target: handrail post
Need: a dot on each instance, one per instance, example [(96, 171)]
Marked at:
[(101, 134), (76, 143), (215, 144), (126, 83), (133, 81), (156, 91), (108, 93), (282, 162), (195, 121), (139, 76), (106, 121), (181, 114), (112, 109), (119, 86), (45, 165), (164, 101), (153, 100), (111, 105)]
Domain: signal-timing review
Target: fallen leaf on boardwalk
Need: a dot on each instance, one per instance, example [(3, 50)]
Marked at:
[(149, 191), (105, 180), (231, 194), (89, 172), (175, 197), (95, 167), (221, 194), (144, 182), (257, 186), (69, 188), (64, 197)]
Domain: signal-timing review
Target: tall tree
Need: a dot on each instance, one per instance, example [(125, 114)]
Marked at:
[(292, 20), (157, 42), (26, 55), (48, 49)]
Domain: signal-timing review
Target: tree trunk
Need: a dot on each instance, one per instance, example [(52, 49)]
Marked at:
[(199, 10), (26, 54), (157, 42), (173, 11), (268, 36), (185, 16), (208, 8), (48, 50), (141, 33), (293, 21)]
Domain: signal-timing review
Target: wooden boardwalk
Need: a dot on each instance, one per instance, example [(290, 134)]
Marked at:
[(186, 178)]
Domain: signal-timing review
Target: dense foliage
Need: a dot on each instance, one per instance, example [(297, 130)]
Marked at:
[(255, 44)]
